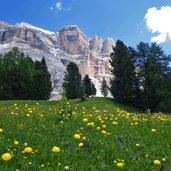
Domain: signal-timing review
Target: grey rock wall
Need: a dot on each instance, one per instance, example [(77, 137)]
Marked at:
[(60, 48)]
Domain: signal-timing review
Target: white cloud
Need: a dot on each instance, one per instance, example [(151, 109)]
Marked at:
[(162, 37), (51, 8), (59, 6), (159, 21)]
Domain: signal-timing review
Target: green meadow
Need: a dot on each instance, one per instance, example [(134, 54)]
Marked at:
[(95, 135)]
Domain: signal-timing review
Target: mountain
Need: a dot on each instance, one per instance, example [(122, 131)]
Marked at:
[(59, 48)]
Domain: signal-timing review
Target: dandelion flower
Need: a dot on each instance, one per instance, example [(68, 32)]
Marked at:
[(115, 123), (85, 120), (80, 144), (164, 159), (137, 145), (28, 150), (103, 126), (66, 168), (6, 156), (16, 142), (120, 164), (77, 136), (56, 149), (153, 130), (157, 162), (103, 132)]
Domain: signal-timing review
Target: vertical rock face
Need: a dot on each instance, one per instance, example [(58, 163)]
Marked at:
[(73, 40), (107, 45), (60, 48), (96, 44)]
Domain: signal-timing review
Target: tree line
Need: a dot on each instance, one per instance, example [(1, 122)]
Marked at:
[(141, 76), (22, 78)]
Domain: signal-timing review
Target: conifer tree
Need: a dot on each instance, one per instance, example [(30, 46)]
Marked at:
[(42, 81), (93, 89), (21, 78), (82, 91), (153, 66), (104, 88), (48, 83), (123, 70), (87, 85), (72, 81)]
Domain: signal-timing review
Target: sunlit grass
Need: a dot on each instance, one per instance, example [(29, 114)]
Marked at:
[(95, 135)]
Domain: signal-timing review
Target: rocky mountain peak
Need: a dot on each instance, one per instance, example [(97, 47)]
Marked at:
[(4, 25), (73, 40), (108, 45), (29, 26), (96, 44), (60, 48)]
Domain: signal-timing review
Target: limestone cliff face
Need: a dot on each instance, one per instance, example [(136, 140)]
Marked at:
[(96, 44), (73, 40), (59, 48)]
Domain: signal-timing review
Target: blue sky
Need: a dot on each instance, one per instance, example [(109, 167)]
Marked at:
[(131, 21)]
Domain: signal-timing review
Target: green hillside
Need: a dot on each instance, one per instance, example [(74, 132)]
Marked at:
[(94, 135)]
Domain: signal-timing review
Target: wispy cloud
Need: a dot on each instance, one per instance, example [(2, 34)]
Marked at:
[(51, 8), (60, 6), (158, 21)]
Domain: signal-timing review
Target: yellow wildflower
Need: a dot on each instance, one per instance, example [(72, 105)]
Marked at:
[(28, 150), (66, 168), (157, 162), (115, 123), (6, 156), (77, 136), (80, 144), (120, 164), (137, 145), (56, 149), (153, 130), (85, 120), (16, 142), (104, 132)]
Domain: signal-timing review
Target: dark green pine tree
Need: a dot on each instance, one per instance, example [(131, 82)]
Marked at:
[(48, 82), (165, 104), (123, 71), (25, 72), (87, 85), (1, 78), (72, 81), (133, 84), (93, 89), (15, 75), (42, 81), (9, 78), (104, 88), (82, 91), (21, 78), (153, 66)]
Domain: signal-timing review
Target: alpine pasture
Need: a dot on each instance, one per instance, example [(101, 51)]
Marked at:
[(94, 135)]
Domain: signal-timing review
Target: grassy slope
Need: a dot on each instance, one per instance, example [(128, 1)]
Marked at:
[(100, 102), (42, 125)]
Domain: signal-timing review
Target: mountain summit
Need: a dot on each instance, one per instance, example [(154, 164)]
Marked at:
[(60, 48)]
